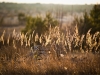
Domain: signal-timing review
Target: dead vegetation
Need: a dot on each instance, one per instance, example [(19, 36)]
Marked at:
[(64, 54)]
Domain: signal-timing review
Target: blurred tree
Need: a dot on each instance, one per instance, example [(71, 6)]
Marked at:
[(89, 20), (39, 25), (21, 17), (1, 20), (86, 25), (95, 18)]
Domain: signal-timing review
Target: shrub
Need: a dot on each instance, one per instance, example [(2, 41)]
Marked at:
[(39, 25), (89, 20)]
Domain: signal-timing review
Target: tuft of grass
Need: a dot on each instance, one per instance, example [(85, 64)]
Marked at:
[(69, 64), (64, 53)]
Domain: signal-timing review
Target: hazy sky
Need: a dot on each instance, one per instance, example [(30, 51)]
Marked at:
[(55, 1)]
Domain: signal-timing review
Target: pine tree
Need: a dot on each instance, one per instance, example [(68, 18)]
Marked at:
[(95, 18), (91, 21), (39, 25)]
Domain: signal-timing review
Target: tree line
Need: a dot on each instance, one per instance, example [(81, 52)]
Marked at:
[(45, 7)]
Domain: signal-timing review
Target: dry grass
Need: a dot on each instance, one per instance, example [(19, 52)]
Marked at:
[(79, 64), (65, 54)]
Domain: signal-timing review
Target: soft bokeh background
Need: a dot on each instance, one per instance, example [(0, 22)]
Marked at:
[(55, 1)]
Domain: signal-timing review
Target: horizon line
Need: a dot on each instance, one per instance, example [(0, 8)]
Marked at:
[(49, 3)]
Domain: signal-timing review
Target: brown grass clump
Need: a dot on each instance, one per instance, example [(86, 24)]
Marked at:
[(79, 64), (59, 53)]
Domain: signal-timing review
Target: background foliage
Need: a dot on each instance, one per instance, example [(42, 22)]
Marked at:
[(89, 20), (39, 25)]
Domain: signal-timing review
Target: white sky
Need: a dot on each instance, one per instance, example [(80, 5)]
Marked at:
[(55, 1)]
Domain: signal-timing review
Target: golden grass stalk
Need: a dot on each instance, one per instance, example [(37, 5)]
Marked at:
[(8, 40), (36, 37), (14, 45), (2, 37)]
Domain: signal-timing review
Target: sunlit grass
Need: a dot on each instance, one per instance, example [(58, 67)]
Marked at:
[(64, 53)]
